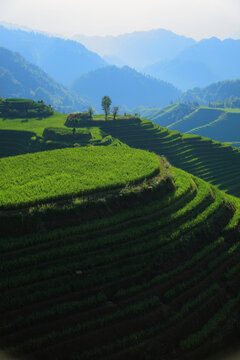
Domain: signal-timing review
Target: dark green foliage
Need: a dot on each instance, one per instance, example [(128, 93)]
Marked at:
[(76, 118), (24, 108), (60, 134), (102, 288), (15, 142), (91, 111), (100, 121), (115, 112), (106, 103)]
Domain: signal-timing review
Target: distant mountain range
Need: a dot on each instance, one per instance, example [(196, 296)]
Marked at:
[(19, 78), (176, 59), (207, 61), (64, 60), (179, 60), (126, 87), (138, 49)]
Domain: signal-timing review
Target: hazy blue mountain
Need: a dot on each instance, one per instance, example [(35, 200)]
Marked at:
[(19, 78), (207, 61), (64, 60), (125, 86), (185, 74), (221, 90), (137, 49)]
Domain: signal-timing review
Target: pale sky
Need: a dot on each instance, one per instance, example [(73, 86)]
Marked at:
[(193, 18)]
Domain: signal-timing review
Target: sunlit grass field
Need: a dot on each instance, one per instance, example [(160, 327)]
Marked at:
[(36, 125), (56, 174)]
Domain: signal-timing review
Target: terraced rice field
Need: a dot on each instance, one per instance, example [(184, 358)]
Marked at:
[(221, 124), (155, 281), (58, 174), (153, 277), (210, 160)]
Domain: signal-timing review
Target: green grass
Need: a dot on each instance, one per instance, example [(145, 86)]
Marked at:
[(57, 174), (157, 267), (211, 160), (215, 123), (35, 125), (118, 301)]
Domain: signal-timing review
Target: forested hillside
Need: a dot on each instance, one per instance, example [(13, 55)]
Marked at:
[(224, 93), (19, 78), (126, 87), (64, 60)]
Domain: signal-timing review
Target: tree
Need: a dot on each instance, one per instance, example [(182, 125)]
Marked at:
[(91, 111), (106, 103), (115, 112)]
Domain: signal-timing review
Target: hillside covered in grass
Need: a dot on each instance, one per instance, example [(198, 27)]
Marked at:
[(106, 289), (221, 124), (109, 252), (28, 127), (210, 160), (52, 175), (24, 108)]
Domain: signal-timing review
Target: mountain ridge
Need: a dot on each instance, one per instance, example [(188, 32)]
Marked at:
[(63, 59), (20, 78), (126, 87), (134, 49)]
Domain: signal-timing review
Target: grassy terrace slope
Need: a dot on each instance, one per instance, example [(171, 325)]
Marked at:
[(210, 160), (23, 135), (58, 174), (215, 123), (36, 125), (28, 135), (159, 280)]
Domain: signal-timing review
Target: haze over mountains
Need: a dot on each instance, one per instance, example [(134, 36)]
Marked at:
[(64, 60), (182, 63), (179, 60), (19, 78), (138, 49), (207, 61), (125, 86), (220, 91)]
